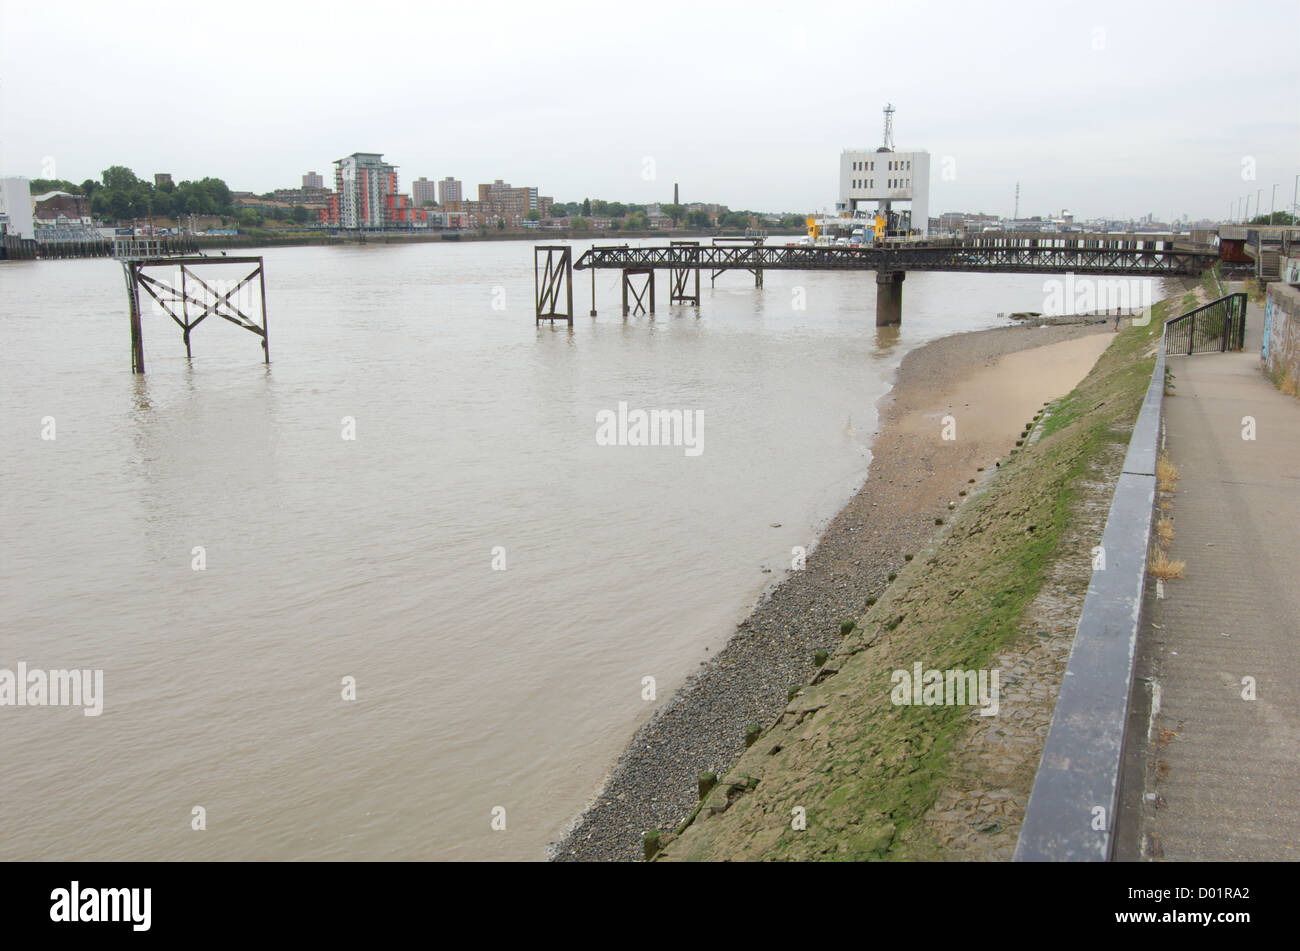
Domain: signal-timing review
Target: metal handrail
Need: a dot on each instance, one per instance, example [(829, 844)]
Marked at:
[(1219, 325)]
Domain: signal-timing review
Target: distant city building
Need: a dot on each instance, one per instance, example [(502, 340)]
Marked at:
[(501, 202), (965, 221), (61, 208), (162, 178), (449, 189), (312, 180), (423, 190), (364, 185), (311, 198), (16, 207)]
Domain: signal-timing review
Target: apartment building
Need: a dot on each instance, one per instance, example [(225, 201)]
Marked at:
[(364, 183)]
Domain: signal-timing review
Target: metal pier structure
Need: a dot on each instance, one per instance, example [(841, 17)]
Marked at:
[(1069, 253), (184, 288)]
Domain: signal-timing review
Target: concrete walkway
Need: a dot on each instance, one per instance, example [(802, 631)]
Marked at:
[(1226, 770)]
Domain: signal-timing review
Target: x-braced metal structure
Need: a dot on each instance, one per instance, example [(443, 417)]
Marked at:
[(680, 288), (190, 293), (639, 295), (553, 283)]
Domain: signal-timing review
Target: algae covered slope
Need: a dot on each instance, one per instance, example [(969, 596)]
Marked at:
[(845, 772)]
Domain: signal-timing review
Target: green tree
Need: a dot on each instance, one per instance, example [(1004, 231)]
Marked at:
[(119, 177), (580, 224), (534, 215), (586, 207), (675, 212), (39, 186)]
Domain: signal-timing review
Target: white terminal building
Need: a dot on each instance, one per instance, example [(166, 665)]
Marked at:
[(883, 177)]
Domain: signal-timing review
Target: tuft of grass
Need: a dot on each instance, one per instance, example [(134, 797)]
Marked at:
[(820, 657), (1162, 567), (847, 625), (1166, 473), (1165, 531), (908, 557)]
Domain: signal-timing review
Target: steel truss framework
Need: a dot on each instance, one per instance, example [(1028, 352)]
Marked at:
[(1076, 254), (191, 291)]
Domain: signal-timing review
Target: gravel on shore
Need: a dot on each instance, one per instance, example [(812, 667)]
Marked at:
[(909, 484)]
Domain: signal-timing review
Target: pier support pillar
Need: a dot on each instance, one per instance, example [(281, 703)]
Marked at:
[(680, 278), (553, 283), (137, 332), (639, 295), (889, 297)]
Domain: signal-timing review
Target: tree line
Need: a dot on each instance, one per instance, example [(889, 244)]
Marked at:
[(120, 195)]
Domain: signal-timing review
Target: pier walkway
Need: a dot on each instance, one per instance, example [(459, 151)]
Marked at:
[(1225, 771)]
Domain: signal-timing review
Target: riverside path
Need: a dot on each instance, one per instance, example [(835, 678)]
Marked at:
[(1222, 772)]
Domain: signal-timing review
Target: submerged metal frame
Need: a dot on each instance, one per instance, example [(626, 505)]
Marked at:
[(553, 282), (207, 298), (647, 289)]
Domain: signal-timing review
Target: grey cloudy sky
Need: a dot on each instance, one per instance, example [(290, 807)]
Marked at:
[(1105, 108)]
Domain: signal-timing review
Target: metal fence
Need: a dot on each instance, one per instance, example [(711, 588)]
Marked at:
[(1219, 326)]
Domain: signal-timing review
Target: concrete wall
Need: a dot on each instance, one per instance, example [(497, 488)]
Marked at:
[(1280, 353)]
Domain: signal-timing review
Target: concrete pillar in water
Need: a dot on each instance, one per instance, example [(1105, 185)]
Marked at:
[(889, 297)]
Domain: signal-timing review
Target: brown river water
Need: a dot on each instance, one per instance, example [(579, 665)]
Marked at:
[(480, 693)]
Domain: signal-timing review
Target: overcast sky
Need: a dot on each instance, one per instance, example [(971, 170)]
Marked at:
[(1117, 109)]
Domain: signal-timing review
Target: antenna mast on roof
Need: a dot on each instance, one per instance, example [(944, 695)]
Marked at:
[(889, 127)]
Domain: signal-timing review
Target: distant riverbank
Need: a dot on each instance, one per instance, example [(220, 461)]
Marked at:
[(318, 239)]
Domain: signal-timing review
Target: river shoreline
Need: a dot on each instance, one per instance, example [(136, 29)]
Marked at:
[(913, 477)]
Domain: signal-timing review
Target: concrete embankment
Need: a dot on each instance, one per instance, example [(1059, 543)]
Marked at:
[(847, 770)]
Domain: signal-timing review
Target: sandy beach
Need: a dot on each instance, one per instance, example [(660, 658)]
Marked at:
[(989, 383)]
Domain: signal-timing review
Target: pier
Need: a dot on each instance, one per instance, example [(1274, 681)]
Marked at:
[(1069, 253)]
